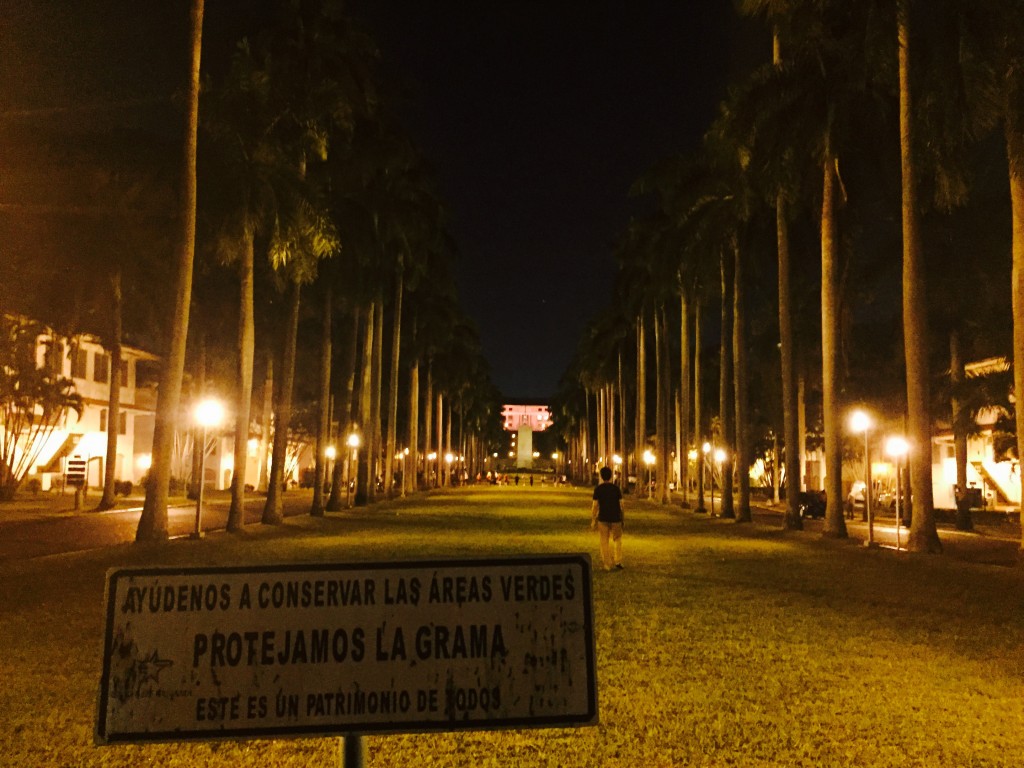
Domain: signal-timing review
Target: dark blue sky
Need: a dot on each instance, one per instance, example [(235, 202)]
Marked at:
[(537, 117)]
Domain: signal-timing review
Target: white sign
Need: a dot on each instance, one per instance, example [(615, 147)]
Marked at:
[(299, 650)]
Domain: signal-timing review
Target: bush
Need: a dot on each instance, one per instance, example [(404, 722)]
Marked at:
[(123, 487)]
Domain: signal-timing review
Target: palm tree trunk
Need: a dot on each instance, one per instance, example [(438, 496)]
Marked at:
[(108, 500), (344, 406), (801, 429), (835, 524), (641, 394), (243, 397), (609, 426), (266, 422), (198, 392), (790, 412), (439, 415), (776, 466), (273, 509), (725, 399), (956, 376), (698, 424), (428, 423), (392, 437), (923, 535), (739, 353), (364, 466), (153, 520), (412, 462), (683, 438), (448, 439), (623, 427), (663, 457), (659, 402), (1015, 152), (323, 431), (373, 453)]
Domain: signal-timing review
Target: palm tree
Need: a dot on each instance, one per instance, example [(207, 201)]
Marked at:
[(778, 12), (726, 413), (825, 92), (153, 520), (254, 185), (744, 450), (318, 504), (923, 535), (107, 501)]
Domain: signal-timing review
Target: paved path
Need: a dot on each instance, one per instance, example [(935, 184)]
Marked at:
[(988, 543), (38, 531)]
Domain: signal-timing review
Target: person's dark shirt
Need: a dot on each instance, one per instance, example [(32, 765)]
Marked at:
[(609, 503)]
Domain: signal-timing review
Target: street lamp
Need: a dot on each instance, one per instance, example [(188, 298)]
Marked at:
[(649, 461), (897, 447), (208, 413), (448, 459), (861, 422), (353, 443)]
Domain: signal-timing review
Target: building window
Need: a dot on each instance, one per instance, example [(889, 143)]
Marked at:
[(79, 363), (55, 357), (103, 419), (101, 368), (122, 427), (124, 373)]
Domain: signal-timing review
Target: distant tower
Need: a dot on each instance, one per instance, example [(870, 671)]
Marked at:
[(523, 420), (524, 447)]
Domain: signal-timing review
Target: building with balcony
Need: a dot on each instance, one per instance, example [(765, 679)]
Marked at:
[(85, 361)]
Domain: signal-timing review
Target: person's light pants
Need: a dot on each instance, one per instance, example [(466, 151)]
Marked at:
[(611, 543)]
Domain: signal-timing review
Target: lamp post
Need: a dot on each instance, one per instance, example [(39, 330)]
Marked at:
[(897, 448), (861, 422), (448, 459), (617, 462), (353, 443), (208, 413), (649, 461)]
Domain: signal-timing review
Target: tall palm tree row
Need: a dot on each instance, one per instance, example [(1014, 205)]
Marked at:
[(308, 188), (817, 136)]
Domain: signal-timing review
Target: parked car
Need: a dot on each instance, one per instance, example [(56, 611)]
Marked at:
[(887, 501), (811, 504)]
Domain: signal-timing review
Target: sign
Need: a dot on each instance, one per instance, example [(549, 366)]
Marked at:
[(301, 650), (74, 470)]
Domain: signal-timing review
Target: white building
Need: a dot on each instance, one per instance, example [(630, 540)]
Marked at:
[(87, 363)]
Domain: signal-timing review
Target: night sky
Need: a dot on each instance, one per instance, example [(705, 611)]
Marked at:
[(535, 116)]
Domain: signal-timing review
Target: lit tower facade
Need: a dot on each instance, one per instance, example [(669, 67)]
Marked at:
[(524, 420)]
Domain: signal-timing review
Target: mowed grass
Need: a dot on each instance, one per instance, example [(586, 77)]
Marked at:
[(719, 645)]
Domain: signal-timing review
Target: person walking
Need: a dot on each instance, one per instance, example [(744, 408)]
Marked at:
[(606, 517)]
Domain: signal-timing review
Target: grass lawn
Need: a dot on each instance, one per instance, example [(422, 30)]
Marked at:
[(719, 645)]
